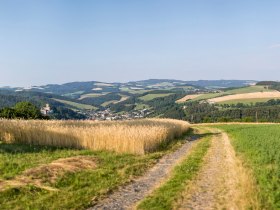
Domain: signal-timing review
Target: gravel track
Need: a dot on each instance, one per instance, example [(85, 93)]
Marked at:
[(129, 195)]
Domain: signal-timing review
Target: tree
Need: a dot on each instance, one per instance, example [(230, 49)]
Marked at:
[(7, 113), (27, 110)]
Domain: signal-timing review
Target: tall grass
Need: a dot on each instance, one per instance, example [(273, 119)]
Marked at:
[(136, 136)]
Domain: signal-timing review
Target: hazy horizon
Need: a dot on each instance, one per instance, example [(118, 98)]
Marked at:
[(61, 41), (26, 86)]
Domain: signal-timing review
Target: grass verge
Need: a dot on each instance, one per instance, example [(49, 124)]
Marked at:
[(259, 146), (165, 196)]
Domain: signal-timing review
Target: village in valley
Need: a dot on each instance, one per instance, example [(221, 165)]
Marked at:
[(103, 115), (107, 114)]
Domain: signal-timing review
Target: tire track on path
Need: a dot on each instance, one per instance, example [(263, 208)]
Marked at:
[(222, 183), (129, 195)]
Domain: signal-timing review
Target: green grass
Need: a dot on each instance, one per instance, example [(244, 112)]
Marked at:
[(75, 190), (208, 96), (74, 94), (259, 147), (15, 158), (141, 106), (165, 196), (249, 89), (126, 89), (149, 97), (92, 95), (108, 102), (75, 105), (246, 101)]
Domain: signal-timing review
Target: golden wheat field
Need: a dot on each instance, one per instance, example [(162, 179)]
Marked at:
[(134, 136)]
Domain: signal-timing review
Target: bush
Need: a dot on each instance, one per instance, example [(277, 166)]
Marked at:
[(23, 110)]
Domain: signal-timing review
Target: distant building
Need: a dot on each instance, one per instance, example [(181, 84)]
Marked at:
[(46, 110)]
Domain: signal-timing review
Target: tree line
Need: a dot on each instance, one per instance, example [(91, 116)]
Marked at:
[(22, 110)]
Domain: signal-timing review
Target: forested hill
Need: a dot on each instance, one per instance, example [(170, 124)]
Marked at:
[(76, 89)]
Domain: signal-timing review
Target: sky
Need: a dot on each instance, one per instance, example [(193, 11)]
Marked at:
[(58, 41)]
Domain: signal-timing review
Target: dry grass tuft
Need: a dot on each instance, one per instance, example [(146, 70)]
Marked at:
[(50, 172), (135, 136)]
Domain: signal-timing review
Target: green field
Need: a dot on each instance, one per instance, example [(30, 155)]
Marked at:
[(208, 96), (259, 146), (73, 190), (246, 101), (126, 89), (149, 97), (75, 105), (108, 102), (74, 94), (92, 95), (141, 106), (249, 89)]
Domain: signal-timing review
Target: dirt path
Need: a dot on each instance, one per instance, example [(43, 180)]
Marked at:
[(128, 196), (222, 182)]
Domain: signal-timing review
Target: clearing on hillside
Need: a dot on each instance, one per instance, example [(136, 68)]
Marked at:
[(76, 105), (255, 95), (188, 97), (152, 96)]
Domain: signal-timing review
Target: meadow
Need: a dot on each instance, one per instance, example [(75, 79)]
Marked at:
[(151, 96), (76, 105), (55, 165), (258, 146), (231, 93), (255, 95), (245, 101), (27, 180), (137, 136)]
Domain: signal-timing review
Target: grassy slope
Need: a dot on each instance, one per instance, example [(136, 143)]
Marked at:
[(141, 106), (149, 97), (76, 190), (91, 95), (250, 89), (108, 102), (125, 89), (76, 105), (208, 96), (165, 196), (259, 146), (245, 101)]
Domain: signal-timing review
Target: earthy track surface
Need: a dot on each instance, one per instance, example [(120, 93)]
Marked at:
[(222, 181), (129, 195)]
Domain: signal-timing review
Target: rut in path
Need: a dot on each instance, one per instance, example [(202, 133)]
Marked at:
[(128, 196), (222, 182)]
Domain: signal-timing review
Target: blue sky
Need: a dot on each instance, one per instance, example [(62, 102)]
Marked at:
[(57, 41)]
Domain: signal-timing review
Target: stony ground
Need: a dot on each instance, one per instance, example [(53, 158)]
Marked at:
[(129, 195)]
